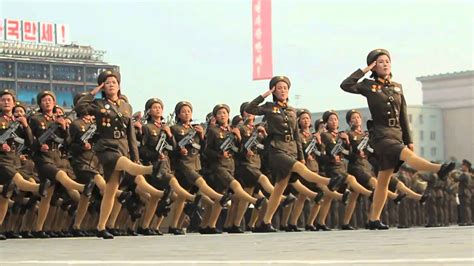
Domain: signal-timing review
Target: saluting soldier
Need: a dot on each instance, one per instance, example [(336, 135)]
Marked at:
[(285, 152), (390, 134), (116, 142), (465, 193)]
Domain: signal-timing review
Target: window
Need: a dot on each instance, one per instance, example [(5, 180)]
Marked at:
[(422, 151), (421, 135), (420, 117), (433, 135), (433, 151)]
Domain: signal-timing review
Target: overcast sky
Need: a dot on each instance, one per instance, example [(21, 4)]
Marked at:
[(201, 50)]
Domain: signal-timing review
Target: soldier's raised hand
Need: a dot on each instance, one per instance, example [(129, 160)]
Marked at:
[(369, 67)]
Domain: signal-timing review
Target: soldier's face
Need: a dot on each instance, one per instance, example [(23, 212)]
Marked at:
[(47, 103), (249, 117), (7, 102), (19, 112), (356, 120), (222, 116), (185, 114), (333, 122), (383, 68), (281, 91), (156, 110), (111, 86), (305, 121)]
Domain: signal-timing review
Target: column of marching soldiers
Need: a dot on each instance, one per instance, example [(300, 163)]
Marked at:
[(421, 199)]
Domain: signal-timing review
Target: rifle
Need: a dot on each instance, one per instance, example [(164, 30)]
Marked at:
[(89, 133), (163, 144), (338, 148), (253, 142), (10, 132), (49, 133), (228, 144), (312, 148), (189, 140), (364, 144)]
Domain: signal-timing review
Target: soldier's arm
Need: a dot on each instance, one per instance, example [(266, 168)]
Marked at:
[(407, 139), (299, 145), (211, 150), (87, 105), (132, 140), (75, 144), (254, 106), (351, 84)]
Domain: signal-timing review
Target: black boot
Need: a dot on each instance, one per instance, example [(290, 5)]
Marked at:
[(377, 225), (124, 196), (234, 229), (7, 187), (259, 203), (145, 231), (424, 197), (158, 170), (88, 188), (399, 198), (318, 197), (345, 196), (445, 169), (104, 234), (225, 198), (322, 227), (42, 188), (192, 207), (39, 234), (347, 227), (288, 200), (310, 227), (2, 237), (11, 234), (265, 228), (175, 231), (294, 228)]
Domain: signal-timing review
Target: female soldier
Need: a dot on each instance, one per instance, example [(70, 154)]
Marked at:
[(189, 141), (390, 132), (285, 153), (156, 134), (222, 163), (359, 166), (10, 175), (50, 131), (116, 140)]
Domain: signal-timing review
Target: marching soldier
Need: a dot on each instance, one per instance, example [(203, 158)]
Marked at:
[(390, 135)]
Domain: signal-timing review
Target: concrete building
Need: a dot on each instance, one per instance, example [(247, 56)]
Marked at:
[(453, 94)]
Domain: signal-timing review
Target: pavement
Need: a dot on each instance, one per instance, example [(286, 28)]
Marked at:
[(417, 246)]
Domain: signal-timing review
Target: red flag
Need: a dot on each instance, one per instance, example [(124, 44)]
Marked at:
[(262, 39)]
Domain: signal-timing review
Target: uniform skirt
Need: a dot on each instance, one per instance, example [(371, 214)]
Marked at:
[(361, 173), (387, 151), (281, 164), (247, 175)]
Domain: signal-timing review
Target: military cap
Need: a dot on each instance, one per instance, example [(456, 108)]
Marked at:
[(108, 73), (151, 101), (44, 93), (303, 111), (318, 122), (242, 108), (372, 56), (19, 105), (208, 116), (327, 114), (8, 91), (349, 115), (180, 105), (277, 79), (79, 96), (236, 120), (467, 163), (218, 107)]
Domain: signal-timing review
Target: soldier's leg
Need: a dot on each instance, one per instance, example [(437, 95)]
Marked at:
[(179, 190), (216, 211), (178, 206), (324, 210), (418, 162), (3, 209), (313, 214), (350, 207), (67, 182), (240, 193), (410, 193), (265, 183), (81, 211), (134, 169), (114, 214), (25, 185), (207, 190), (241, 208), (275, 198), (231, 211), (150, 208), (380, 194), (108, 199), (43, 209), (297, 210), (310, 176), (143, 185), (352, 182)]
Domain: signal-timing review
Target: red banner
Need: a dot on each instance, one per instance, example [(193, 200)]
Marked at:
[(262, 39)]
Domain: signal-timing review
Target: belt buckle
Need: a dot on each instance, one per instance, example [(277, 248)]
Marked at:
[(392, 122), (390, 98), (287, 138), (117, 134)]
